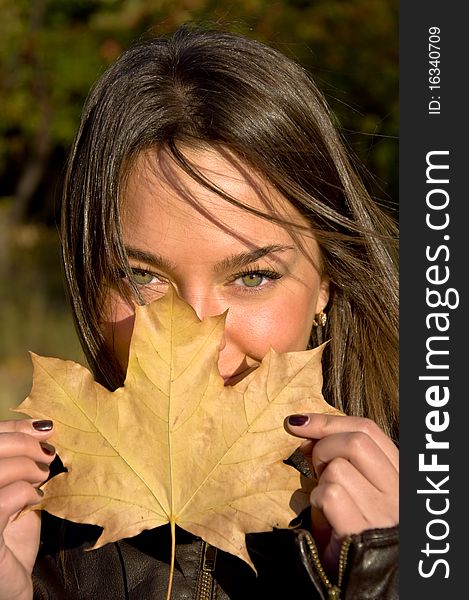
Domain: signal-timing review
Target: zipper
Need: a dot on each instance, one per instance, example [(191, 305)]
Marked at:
[(333, 591), (205, 582)]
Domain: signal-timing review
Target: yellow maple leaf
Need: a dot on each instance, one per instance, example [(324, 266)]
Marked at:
[(174, 445)]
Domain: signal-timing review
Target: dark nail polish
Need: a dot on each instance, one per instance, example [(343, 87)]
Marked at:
[(47, 448), (43, 467), (40, 492), (44, 425), (298, 420)]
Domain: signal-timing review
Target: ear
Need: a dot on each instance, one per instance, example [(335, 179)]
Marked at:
[(323, 295)]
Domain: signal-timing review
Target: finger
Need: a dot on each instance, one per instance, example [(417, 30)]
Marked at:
[(22, 468), (378, 508), (361, 451), (318, 426), (39, 428), (15, 497), (23, 444), (21, 538), (339, 508)]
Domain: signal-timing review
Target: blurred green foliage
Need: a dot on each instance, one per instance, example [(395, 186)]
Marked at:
[(34, 314), (51, 51)]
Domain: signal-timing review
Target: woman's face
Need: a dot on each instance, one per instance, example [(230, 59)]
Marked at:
[(218, 257)]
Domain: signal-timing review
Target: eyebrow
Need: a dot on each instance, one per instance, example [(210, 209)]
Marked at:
[(155, 260), (236, 261)]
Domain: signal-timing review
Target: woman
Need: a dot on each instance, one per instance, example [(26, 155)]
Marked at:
[(209, 162)]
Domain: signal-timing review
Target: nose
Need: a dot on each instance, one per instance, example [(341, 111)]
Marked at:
[(205, 305), (204, 302)]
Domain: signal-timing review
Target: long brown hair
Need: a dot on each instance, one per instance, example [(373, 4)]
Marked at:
[(203, 87)]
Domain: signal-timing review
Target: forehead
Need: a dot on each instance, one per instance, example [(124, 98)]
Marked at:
[(156, 184)]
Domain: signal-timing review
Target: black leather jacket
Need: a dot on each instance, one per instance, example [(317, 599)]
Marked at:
[(138, 568)]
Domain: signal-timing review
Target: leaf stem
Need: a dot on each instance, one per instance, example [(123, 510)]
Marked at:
[(173, 556)]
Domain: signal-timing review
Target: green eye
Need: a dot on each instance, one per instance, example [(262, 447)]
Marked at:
[(142, 277), (252, 279), (256, 278)]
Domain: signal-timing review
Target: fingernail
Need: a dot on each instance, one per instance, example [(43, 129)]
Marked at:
[(43, 467), (47, 448), (44, 425), (39, 492), (298, 420)]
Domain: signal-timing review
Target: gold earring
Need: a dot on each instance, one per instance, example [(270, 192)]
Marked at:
[(320, 319)]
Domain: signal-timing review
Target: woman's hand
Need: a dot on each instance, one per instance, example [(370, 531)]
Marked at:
[(357, 468), (25, 457)]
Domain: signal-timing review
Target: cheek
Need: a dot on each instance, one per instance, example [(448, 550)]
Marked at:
[(285, 325), (117, 328)]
